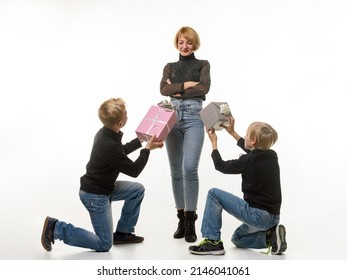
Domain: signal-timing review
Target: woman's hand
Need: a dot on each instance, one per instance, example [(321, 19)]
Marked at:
[(176, 94), (189, 84)]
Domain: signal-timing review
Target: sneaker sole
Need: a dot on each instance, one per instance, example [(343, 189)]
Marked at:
[(281, 240), (127, 242), (43, 236), (216, 253)]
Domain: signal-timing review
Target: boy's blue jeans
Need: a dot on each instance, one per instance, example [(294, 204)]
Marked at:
[(100, 211), (255, 222), (184, 145)]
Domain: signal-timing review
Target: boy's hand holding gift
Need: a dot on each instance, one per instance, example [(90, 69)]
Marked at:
[(153, 144)]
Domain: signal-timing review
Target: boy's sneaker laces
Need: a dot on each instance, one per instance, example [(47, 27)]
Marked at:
[(268, 249), (208, 247), (277, 240)]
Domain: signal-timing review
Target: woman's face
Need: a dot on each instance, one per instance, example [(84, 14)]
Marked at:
[(184, 46)]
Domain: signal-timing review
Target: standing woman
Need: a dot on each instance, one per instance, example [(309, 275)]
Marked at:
[(187, 82)]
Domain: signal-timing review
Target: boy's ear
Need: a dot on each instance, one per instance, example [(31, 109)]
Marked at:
[(120, 123), (254, 140)]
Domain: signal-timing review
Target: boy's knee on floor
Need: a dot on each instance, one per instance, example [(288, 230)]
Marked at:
[(105, 246)]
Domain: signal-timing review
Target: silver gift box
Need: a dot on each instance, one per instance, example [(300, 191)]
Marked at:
[(212, 117)]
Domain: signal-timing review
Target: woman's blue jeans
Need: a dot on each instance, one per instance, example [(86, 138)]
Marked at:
[(100, 211), (255, 222), (184, 145)]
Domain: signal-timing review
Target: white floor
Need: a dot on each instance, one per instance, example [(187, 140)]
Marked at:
[(310, 236), (314, 219)]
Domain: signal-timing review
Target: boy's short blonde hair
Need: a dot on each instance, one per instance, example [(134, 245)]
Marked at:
[(112, 111), (190, 34), (265, 135)]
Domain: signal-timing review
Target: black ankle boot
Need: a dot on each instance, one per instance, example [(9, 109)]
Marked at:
[(180, 232), (190, 226)]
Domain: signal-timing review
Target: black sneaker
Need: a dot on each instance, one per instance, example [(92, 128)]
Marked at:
[(47, 236), (278, 240), (208, 247), (125, 238)]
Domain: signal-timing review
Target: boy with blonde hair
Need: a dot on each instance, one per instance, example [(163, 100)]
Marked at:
[(100, 187), (259, 210)]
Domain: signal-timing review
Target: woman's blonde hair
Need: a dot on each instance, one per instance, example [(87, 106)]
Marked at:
[(111, 111), (190, 34), (264, 134)]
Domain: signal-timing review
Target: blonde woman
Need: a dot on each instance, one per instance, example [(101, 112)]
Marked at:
[(186, 82)]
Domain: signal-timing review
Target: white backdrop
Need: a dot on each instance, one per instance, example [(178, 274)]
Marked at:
[(282, 62)]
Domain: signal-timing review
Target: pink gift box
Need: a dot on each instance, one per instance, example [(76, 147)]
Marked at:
[(158, 121)]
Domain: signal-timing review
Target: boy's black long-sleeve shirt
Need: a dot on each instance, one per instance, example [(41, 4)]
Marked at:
[(109, 158), (260, 173)]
